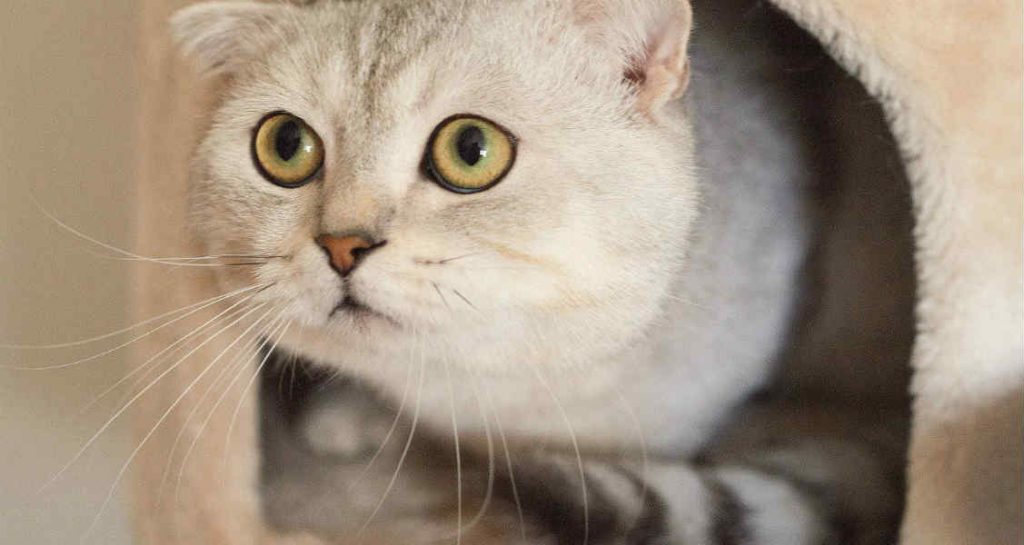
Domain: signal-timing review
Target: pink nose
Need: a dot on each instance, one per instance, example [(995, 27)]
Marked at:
[(346, 252)]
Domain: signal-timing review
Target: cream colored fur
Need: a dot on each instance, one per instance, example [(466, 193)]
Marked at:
[(965, 485), (950, 78), (572, 274)]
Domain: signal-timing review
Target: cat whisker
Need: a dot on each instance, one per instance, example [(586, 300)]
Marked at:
[(458, 449), (391, 430), (105, 336), (241, 401), (496, 267), (426, 261), (575, 446), (258, 343), (172, 348), (688, 302), (464, 299), (237, 365), (97, 242), (199, 262), (292, 367), (138, 338), (196, 259), (408, 442), (441, 295), (458, 258), (509, 466), (247, 354), (177, 401), (489, 493), (243, 264), (642, 439), (262, 345), (132, 401), (463, 266)]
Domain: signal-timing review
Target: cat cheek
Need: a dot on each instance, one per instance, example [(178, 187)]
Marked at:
[(304, 284)]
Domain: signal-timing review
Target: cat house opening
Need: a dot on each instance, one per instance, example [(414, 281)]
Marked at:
[(841, 377)]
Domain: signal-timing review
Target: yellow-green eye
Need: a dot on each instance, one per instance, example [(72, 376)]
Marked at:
[(287, 152), (469, 154)]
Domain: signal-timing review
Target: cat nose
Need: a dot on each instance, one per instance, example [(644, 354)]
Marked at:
[(346, 252)]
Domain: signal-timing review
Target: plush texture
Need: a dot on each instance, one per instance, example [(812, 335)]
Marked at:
[(949, 77)]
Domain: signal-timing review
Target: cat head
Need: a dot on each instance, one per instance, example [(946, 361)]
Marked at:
[(481, 181)]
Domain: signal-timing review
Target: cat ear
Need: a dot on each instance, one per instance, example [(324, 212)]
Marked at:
[(223, 36), (650, 38)]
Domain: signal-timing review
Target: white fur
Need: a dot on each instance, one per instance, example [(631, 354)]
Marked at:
[(579, 281)]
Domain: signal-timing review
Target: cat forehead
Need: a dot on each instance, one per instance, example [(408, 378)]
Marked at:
[(393, 55)]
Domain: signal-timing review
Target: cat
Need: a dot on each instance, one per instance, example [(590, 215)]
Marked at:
[(546, 215)]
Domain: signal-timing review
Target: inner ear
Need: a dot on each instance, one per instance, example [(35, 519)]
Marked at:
[(636, 74), (660, 69), (650, 38)]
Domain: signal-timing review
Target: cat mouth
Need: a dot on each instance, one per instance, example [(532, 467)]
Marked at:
[(352, 306)]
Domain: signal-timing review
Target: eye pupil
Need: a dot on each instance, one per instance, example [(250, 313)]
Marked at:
[(289, 137), (471, 145)]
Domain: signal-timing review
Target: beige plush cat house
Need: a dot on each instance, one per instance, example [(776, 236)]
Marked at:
[(949, 76)]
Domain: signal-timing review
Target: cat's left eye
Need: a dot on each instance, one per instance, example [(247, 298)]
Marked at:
[(286, 150), (469, 154)]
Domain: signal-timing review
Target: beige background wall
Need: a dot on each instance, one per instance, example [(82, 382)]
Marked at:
[(66, 130)]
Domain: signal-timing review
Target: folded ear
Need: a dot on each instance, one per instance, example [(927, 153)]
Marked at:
[(650, 38), (223, 36)]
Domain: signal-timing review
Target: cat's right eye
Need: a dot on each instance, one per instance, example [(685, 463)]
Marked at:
[(287, 152), (469, 154)]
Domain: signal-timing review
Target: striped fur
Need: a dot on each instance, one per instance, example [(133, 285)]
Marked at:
[(771, 481)]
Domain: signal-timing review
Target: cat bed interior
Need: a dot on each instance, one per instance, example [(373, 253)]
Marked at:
[(948, 78)]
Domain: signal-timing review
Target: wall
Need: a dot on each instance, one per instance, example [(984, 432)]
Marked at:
[(67, 105)]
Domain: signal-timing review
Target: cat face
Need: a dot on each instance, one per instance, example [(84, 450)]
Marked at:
[(476, 181)]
